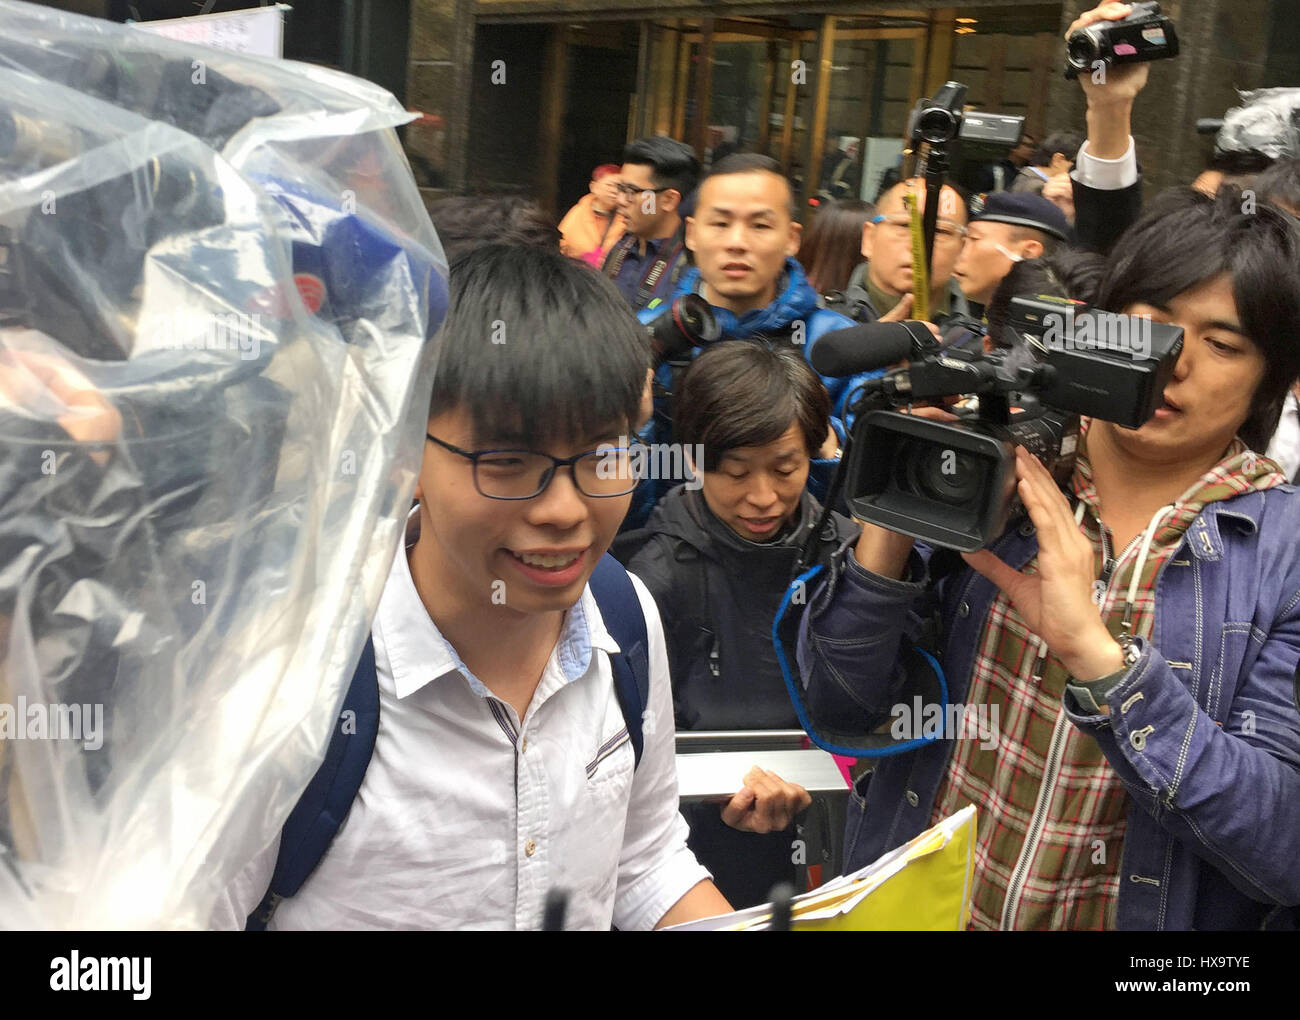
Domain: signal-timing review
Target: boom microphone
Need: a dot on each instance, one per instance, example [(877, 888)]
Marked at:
[(871, 346)]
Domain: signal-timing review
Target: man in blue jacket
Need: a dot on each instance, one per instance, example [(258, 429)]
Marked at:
[(744, 237)]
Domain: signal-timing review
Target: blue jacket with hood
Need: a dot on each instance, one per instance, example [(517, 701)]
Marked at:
[(794, 317)]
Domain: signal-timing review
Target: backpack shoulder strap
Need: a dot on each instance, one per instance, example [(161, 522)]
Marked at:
[(621, 610), (320, 811)]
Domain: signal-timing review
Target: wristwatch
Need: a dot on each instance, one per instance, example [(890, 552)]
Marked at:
[(1090, 693), (1130, 650)]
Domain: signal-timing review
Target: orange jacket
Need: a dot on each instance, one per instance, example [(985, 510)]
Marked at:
[(581, 231)]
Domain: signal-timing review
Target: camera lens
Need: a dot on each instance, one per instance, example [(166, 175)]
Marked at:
[(937, 125), (689, 321), (695, 319), (940, 473), (1082, 49)]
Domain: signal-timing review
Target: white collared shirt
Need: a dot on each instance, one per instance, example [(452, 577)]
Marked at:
[(1284, 447), (467, 815), (1106, 174)]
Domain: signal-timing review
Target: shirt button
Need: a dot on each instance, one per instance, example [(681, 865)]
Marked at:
[(530, 848), (1138, 738), (1027, 528), (912, 798), (963, 608)]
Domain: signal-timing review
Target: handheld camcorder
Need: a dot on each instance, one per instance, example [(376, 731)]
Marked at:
[(952, 484), (953, 141), (1145, 34), (943, 118)]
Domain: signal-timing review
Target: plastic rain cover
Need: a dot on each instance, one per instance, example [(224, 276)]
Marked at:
[(218, 288), (1267, 121)]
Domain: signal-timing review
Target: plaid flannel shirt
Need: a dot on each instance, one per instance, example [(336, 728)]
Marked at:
[(1052, 810)]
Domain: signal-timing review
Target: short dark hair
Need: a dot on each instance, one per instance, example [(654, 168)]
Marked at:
[(1079, 270), (537, 348), (752, 163), (831, 245), (466, 221), (1019, 233), (1065, 142), (1280, 184), (1238, 163), (672, 163), (748, 393), (1185, 239)]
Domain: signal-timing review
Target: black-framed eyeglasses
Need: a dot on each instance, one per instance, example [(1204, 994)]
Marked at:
[(524, 474), (631, 190)]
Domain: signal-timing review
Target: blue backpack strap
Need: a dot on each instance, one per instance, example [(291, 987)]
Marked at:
[(621, 610), (319, 813)]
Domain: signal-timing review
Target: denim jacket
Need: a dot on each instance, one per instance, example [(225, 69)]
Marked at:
[(1203, 729)]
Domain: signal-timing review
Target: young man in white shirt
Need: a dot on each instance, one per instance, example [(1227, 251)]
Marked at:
[(503, 766)]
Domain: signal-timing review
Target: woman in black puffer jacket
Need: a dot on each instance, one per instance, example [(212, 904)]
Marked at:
[(720, 553)]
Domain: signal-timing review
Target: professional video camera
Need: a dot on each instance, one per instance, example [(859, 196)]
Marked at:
[(1145, 34), (952, 484)]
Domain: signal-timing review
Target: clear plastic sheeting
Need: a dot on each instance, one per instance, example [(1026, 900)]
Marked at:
[(218, 290), (1267, 121)]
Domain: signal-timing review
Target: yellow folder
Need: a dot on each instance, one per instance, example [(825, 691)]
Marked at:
[(923, 885)]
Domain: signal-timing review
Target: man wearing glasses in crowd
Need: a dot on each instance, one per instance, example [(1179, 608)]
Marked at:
[(503, 766), (881, 288), (657, 176)]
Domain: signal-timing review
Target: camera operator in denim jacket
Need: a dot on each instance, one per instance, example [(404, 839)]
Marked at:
[(1139, 633)]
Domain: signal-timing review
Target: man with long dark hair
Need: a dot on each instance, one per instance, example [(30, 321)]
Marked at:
[(1139, 633)]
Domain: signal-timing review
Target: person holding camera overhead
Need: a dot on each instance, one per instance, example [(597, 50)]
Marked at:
[(1139, 632)]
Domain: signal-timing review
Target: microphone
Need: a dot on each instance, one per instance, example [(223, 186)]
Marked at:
[(871, 346), (782, 907), (557, 905)]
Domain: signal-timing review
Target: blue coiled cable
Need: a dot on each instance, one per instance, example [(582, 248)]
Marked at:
[(800, 583)]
